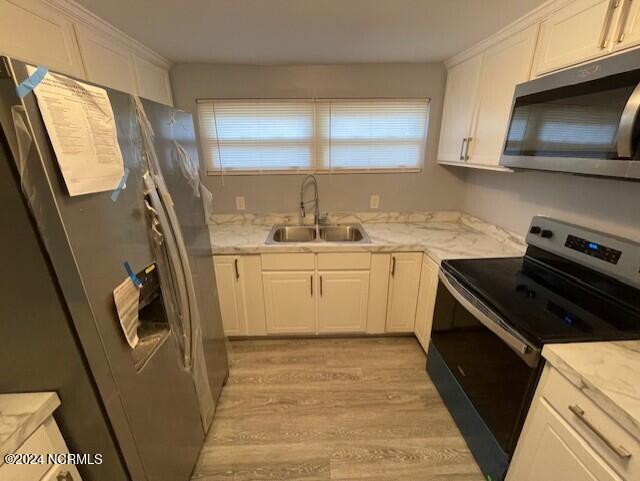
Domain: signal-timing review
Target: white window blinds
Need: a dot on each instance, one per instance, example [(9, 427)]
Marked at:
[(312, 135)]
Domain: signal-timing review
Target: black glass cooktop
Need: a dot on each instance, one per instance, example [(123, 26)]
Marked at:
[(549, 299)]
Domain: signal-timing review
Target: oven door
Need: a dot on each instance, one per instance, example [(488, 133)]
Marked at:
[(485, 372), (583, 120)]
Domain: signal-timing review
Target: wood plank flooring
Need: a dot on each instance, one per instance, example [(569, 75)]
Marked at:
[(332, 409)]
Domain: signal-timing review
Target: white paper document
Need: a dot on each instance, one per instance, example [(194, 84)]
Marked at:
[(82, 129), (127, 298)]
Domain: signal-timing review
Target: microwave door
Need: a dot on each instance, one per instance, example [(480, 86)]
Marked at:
[(628, 129)]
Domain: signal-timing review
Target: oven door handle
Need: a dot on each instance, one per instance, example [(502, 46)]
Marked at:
[(525, 350), (624, 144)]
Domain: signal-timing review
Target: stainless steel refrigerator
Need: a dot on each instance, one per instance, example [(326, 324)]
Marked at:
[(147, 410)]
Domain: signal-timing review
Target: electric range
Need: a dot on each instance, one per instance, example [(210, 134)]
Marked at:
[(493, 316)]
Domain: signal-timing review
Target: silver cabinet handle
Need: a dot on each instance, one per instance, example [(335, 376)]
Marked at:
[(311, 279), (619, 450), (462, 148), (235, 263), (622, 21), (466, 150), (393, 266)]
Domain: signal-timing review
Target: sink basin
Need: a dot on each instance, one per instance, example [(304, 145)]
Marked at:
[(341, 233), (352, 233), (292, 234)]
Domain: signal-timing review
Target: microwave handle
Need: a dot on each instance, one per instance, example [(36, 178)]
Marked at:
[(628, 120), (527, 352)]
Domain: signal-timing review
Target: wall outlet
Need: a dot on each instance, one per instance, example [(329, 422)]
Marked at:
[(374, 202), (240, 205)]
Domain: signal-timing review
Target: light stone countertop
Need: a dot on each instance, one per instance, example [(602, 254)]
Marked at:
[(20, 415), (441, 235), (608, 373)]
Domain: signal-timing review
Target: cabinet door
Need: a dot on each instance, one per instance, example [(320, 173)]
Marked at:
[(577, 32), (404, 283), (35, 32), (152, 81), (426, 301), (230, 294), (107, 61), (459, 100), (549, 449), (503, 67), (289, 299), (342, 301), (628, 30)]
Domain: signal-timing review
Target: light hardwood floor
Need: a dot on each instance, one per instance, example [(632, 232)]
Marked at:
[(332, 409)]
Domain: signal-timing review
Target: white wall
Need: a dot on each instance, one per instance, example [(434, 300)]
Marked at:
[(436, 188), (510, 200)]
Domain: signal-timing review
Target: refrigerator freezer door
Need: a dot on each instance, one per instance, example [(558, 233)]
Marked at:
[(88, 238), (171, 127)]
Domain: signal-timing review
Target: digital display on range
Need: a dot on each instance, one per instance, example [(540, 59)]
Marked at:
[(593, 249)]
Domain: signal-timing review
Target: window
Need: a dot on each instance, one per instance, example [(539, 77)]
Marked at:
[(249, 136)]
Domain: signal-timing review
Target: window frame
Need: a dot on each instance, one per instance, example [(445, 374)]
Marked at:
[(220, 172)]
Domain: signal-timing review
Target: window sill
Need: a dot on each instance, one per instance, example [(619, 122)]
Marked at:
[(314, 172)]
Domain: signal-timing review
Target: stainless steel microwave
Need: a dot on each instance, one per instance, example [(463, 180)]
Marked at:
[(583, 120)]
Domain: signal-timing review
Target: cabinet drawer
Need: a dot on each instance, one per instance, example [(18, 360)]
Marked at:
[(344, 261), (288, 262), (595, 426)]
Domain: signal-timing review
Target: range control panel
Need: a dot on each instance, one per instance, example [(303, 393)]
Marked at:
[(611, 255), (593, 249)]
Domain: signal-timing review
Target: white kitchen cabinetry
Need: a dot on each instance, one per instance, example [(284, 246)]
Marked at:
[(404, 283), (426, 301), (66, 38), (343, 301), (568, 437), (239, 283), (459, 101), (107, 61), (289, 298), (230, 294), (627, 33), (504, 65), (580, 31), (35, 32), (478, 101)]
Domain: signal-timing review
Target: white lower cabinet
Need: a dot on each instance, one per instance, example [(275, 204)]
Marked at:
[(568, 437), (426, 301), (289, 300), (404, 282), (343, 301)]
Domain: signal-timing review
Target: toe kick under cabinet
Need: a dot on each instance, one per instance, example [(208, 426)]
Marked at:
[(325, 293)]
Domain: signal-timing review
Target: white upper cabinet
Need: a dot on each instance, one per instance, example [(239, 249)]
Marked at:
[(107, 61), (504, 65), (628, 31), (152, 81), (68, 39), (459, 100), (578, 32), (39, 34)]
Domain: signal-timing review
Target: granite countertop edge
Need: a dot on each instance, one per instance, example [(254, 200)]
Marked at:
[(20, 415), (608, 373)]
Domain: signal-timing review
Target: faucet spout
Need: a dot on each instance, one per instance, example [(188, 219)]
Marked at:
[(315, 200)]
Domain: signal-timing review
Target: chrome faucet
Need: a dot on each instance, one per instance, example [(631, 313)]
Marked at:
[(316, 212)]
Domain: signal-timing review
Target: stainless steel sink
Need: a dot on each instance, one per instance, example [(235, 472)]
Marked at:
[(342, 233), (351, 233), (292, 234)]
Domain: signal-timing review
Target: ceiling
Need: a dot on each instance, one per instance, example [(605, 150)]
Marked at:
[(309, 31)]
